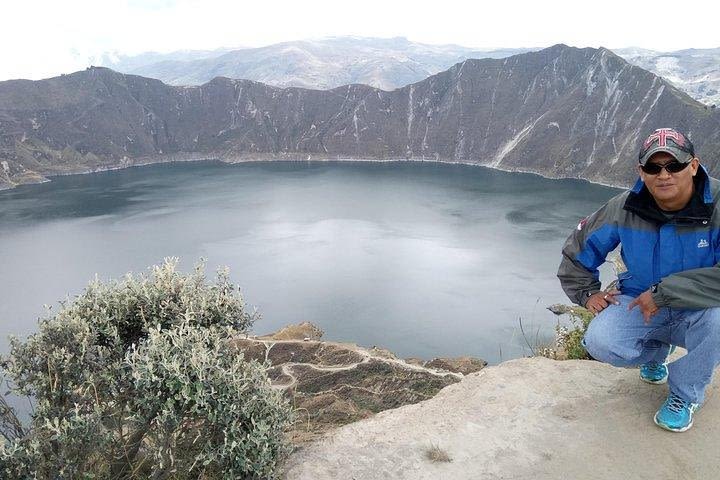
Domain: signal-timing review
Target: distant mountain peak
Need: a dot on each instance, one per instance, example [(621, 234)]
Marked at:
[(324, 63)]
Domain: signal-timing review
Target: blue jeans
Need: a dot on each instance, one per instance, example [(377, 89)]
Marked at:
[(621, 338)]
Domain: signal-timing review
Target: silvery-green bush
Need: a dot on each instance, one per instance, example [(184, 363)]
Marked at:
[(139, 379)]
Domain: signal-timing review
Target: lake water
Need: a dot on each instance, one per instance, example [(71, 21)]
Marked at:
[(424, 259)]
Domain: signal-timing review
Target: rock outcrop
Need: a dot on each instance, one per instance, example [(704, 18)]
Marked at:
[(560, 112), (332, 384), (524, 419)]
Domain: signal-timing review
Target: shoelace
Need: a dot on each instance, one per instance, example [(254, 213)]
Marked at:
[(676, 404), (653, 367)]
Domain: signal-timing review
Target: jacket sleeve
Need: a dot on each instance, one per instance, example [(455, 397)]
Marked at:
[(584, 251), (695, 288)]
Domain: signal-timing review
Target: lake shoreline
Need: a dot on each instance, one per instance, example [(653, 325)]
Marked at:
[(263, 158)]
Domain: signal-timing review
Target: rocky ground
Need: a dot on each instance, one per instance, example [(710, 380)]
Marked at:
[(524, 419), (333, 384)]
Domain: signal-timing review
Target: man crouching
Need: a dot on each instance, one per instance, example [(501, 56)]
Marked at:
[(668, 228)]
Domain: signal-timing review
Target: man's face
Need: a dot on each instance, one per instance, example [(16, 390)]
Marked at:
[(670, 190)]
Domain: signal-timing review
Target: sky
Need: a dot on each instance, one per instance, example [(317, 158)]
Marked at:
[(44, 38)]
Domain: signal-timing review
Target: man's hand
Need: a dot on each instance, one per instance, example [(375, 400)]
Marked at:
[(646, 304), (600, 300)]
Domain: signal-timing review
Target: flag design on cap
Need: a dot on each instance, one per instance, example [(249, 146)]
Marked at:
[(667, 140), (661, 135)]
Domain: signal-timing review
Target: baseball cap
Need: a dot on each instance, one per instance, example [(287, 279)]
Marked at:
[(670, 141)]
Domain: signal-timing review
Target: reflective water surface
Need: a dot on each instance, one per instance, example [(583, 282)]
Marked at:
[(424, 259)]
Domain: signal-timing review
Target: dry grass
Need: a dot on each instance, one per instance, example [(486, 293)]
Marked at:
[(436, 454)]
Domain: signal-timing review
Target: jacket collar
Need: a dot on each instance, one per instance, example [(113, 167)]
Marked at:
[(698, 210)]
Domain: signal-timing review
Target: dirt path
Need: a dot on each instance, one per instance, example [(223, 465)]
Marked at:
[(366, 354)]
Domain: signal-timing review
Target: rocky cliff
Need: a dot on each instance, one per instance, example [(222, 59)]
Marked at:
[(560, 112)]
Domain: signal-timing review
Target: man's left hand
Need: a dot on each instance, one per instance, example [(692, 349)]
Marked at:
[(646, 304)]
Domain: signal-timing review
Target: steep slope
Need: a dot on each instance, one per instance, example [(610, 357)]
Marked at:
[(561, 112), (339, 383)]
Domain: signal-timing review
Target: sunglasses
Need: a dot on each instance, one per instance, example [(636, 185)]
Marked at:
[(671, 167)]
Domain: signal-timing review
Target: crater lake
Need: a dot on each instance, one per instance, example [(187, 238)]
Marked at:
[(424, 259)]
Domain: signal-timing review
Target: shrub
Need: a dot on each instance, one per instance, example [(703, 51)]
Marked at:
[(436, 454), (568, 339), (138, 379)]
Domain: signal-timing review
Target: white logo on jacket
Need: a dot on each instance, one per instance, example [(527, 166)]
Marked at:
[(703, 243)]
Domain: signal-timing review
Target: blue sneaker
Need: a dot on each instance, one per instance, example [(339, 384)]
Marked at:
[(654, 372), (675, 414)]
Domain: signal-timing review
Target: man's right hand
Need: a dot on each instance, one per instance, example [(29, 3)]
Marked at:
[(600, 300)]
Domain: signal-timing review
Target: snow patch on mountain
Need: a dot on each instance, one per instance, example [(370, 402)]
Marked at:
[(695, 71)]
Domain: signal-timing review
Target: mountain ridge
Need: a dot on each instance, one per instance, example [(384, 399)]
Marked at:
[(559, 112), (385, 63), (322, 63)]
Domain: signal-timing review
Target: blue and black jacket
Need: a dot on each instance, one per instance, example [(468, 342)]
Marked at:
[(681, 254)]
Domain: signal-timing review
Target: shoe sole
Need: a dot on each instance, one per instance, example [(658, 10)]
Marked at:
[(654, 382), (676, 430)]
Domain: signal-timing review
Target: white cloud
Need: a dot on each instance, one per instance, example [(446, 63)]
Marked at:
[(49, 37)]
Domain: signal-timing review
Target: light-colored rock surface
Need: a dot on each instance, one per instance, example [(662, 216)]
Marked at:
[(524, 419)]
